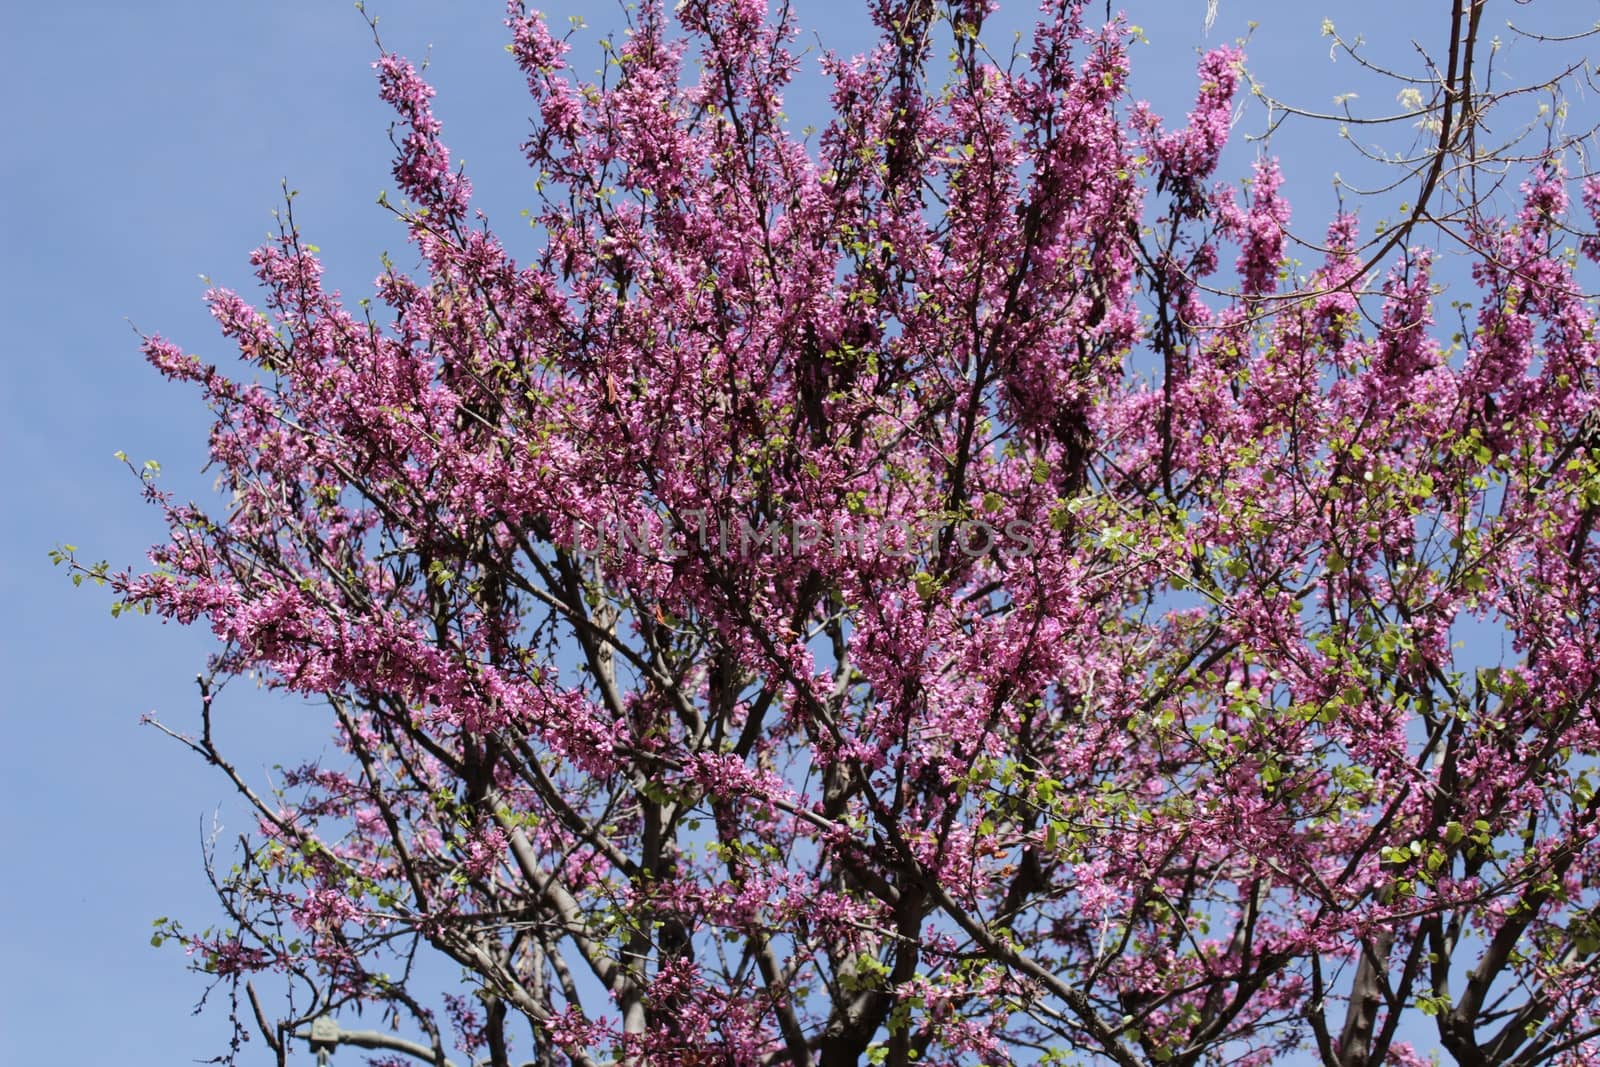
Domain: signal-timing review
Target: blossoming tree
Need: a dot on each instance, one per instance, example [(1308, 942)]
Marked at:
[(909, 597)]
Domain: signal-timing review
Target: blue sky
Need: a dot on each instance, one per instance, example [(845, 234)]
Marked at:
[(145, 147)]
